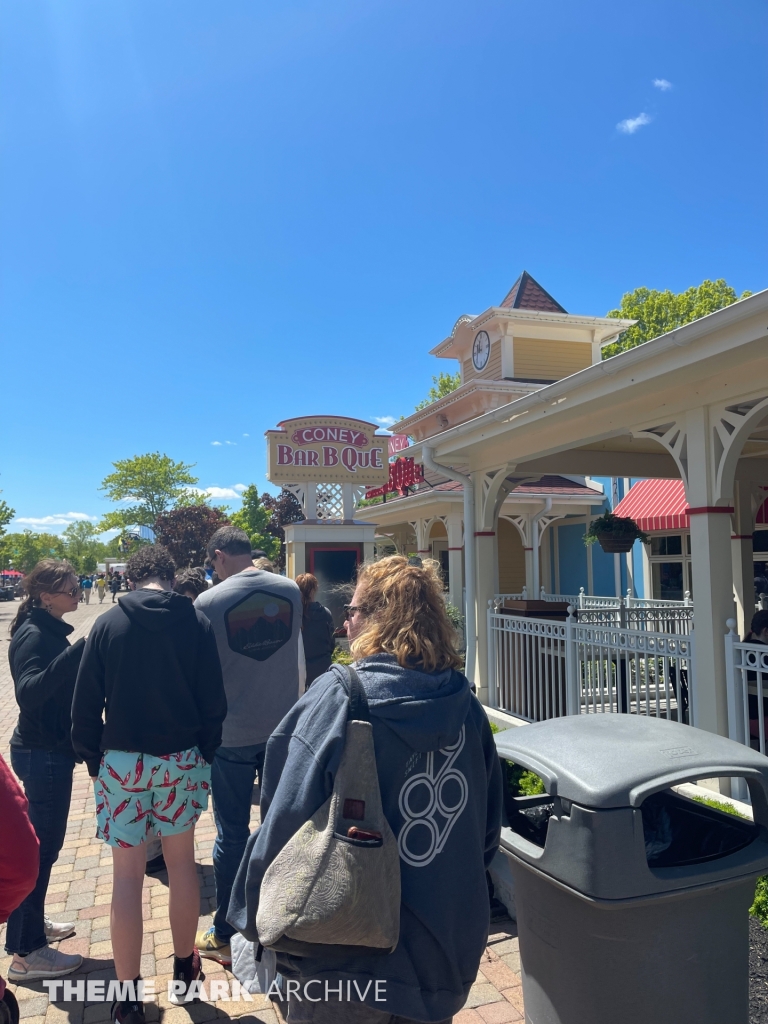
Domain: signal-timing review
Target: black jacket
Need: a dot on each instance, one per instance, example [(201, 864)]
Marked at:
[(317, 634), (151, 662), (44, 668)]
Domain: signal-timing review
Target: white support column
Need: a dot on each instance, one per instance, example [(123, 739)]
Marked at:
[(368, 551), (348, 500), (741, 555), (530, 577), (486, 574), (310, 501), (455, 529), (712, 574)]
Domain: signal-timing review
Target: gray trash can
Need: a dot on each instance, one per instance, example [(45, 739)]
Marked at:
[(632, 901)]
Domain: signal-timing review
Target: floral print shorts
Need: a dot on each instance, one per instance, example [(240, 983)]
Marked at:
[(139, 796)]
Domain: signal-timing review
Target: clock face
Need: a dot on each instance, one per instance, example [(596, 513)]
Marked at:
[(481, 350)]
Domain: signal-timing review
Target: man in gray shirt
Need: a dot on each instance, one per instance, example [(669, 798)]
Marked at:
[(256, 618)]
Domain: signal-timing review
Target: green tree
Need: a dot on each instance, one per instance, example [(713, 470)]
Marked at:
[(186, 531), (154, 482), (254, 517), (659, 312), (285, 509), (81, 546), (442, 385), (6, 515), (23, 551)]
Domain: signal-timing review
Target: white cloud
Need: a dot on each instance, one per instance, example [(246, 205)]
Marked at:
[(630, 125), (220, 492), (662, 83), (58, 519), (216, 443), (385, 421), (230, 442), (246, 435)]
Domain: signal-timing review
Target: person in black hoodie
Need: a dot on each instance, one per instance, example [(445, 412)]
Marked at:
[(151, 667), (44, 668), (316, 629)]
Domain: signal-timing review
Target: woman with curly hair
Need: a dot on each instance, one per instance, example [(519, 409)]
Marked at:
[(44, 668), (441, 792), (146, 719)]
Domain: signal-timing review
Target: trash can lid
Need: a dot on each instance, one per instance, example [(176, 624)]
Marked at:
[(615, 760)]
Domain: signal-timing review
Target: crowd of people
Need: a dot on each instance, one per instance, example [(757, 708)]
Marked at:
[(98, 584), (186, 691)]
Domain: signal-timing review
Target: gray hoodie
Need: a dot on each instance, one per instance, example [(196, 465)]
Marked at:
[(441, 790)]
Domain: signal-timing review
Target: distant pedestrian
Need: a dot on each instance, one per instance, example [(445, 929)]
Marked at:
[(256, 617), (101, 587), (316, 628), (44, 668), (87, 586), (114, 585), (146, 719)]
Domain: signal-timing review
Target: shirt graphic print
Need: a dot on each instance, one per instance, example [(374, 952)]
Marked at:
[(259, 625)]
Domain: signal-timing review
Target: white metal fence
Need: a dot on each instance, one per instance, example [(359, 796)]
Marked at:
[(542, 669), (746, 668)]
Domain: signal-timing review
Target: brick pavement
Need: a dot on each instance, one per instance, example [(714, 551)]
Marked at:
[(81, 886)]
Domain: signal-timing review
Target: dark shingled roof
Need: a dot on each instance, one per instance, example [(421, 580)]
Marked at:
[(526, 293)]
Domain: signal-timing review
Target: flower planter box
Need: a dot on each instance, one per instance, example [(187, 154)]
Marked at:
[(613, 543)]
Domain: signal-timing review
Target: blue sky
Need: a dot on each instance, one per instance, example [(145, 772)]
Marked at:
[(217, 216)]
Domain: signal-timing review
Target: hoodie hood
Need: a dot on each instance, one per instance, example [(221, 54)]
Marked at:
[(425, 709), (157, 610)]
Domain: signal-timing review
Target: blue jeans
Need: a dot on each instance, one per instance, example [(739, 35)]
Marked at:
[(47, 779), (233, 775)]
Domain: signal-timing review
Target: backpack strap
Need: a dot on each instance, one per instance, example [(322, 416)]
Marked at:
[(358, 702)]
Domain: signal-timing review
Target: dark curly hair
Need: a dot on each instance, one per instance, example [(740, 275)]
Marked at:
[(150, 560), (191, 580)]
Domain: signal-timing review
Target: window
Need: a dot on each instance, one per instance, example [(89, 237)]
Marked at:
[(670, 559)]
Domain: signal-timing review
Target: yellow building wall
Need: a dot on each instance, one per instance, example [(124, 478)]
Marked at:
[(511, 559), (538, 359)]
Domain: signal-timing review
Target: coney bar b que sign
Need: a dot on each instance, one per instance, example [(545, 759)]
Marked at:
[(327, 449)]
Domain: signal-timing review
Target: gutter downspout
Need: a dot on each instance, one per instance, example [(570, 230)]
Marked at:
[(470, 612), (536, 543)]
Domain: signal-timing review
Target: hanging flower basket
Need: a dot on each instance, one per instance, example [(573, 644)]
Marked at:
[(614, 534)]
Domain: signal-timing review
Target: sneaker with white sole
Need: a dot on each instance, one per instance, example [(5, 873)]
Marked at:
[(212, 948), (46, 962), (55, 931)]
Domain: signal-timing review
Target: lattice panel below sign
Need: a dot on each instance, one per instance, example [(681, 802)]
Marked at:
[(330, 502)]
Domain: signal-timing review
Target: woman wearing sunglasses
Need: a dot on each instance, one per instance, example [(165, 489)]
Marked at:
[(44, 668)]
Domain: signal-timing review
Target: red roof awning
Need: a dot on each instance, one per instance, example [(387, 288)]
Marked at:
[(656, 505)]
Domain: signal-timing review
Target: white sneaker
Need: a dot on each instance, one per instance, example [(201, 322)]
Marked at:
[(57, 930), (45, 962)]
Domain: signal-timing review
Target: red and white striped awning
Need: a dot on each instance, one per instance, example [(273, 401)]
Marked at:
[(656, 505)]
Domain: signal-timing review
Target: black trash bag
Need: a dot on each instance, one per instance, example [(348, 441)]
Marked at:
[(679, 831), (529, 817)]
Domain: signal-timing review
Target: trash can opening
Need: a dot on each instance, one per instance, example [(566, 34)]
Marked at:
[(679, 831), (528, 807)]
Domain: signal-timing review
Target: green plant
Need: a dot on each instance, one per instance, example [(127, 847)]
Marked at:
[(521, 782), (341, 656), (617, 526)]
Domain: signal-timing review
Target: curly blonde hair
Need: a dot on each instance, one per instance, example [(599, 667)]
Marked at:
[(404, 614)]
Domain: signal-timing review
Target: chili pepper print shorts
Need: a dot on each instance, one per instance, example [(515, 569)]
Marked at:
[(139, 796)]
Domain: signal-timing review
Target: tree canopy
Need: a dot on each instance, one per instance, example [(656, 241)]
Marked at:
[(186, 531), (6, 515), (659, 312), (443, 384), (23, 551), (254, 516), (153, 482)]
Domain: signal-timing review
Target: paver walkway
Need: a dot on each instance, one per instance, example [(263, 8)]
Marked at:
[(81, 888)]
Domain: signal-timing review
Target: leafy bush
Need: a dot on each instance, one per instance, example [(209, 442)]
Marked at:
[(617, 526), (341, 656)]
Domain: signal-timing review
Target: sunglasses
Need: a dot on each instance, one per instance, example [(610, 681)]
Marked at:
[(350, 609), (70, 593)]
